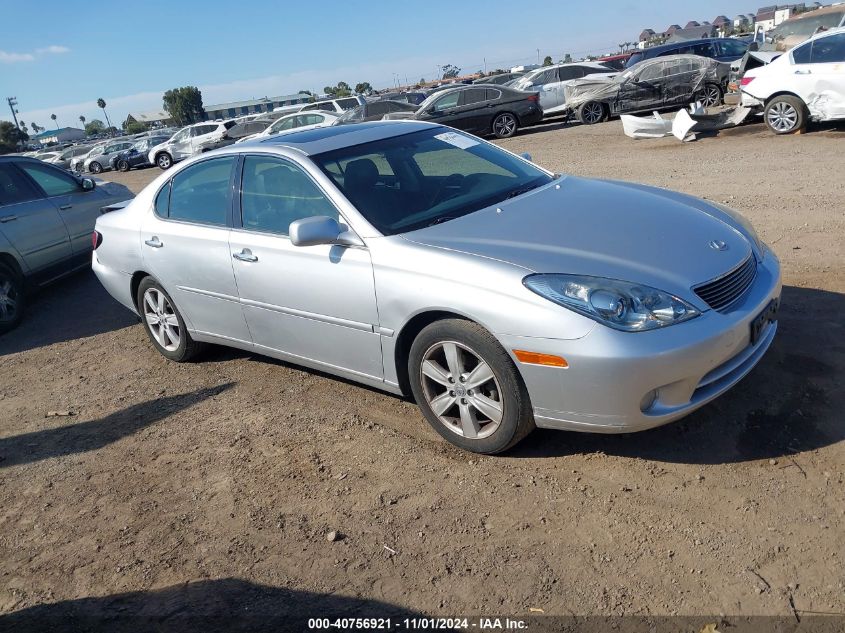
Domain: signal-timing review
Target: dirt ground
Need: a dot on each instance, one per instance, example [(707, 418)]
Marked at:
[(228, 473)]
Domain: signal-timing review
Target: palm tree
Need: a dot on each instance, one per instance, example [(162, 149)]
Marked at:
[(621, 47), (82, 120), (101, 103), (53, 116)]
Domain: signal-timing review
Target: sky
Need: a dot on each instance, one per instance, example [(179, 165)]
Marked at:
[(59, 57)]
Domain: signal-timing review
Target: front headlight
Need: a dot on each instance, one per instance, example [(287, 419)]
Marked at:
[(618, 304), (746, 226)]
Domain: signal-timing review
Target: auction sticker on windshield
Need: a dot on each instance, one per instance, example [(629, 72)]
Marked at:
[(458, 140)]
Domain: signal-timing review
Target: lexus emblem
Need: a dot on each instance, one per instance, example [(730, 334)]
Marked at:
[(718, 245)]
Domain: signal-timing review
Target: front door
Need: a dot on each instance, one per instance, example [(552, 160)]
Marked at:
[(818, 76), (643, 91), (185, 246), (31, 224), (180, 145), (314, 303), (78, 208)]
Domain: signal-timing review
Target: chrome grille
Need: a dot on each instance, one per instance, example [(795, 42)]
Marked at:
[(721, 292)]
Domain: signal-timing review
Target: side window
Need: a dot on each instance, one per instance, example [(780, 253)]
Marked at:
[(447, 102), (314, 119), (547, 77), (828, 50), (378, 108), (313, 106), (801, 54), (162, 201), (200, 193), (565, 73), (651, 72), (473, 95), (493, 94), (276, 192), (732, 47), (705, 50), (13, 187), (284, 124), (54, 182)]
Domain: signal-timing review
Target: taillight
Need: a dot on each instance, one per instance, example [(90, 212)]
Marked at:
[(745, 81), (534, 97), (96, 239)]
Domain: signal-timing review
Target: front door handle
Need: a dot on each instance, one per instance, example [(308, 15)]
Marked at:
[(65, 207), (154, 242), (803, 72), (245, 256), (8, 218)]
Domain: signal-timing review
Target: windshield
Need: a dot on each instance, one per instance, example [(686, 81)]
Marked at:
[(634, 59), (423, 178)]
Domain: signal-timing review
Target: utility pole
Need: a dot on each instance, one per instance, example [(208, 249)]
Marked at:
[(538, 56), (485, 65), (13, 101)]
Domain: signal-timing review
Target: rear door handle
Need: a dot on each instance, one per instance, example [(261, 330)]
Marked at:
[(65, 207), (803, 72), (245, 256), (8, 218), (154, 242)]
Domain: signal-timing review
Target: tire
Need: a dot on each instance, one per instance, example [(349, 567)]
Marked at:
[(499, 392), (12, 299), (592, 112), (711, 96), (505, 125), (95, 168), (786, 114), (152, 311), (123, 165), (164, 160)]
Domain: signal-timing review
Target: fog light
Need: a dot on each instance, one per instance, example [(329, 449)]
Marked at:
[(648, 400)]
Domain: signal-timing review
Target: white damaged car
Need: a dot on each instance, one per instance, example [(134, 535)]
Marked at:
[(804, 84)]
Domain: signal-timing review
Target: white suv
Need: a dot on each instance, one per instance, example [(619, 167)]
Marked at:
[(187, 141), (335, 105), (806, 83)]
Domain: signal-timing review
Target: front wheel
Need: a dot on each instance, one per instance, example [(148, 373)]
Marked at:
[(164, 324), (95, 167), (164, 161), (123, 165), (591, 113), (468, 388), (786, 114), (11, 299), (505, 125)]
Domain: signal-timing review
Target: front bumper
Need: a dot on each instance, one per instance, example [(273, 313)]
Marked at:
[(621, 382)]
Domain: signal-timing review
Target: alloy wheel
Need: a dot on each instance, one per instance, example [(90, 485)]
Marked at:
[(782, 117), (162, 320), (504, 125), (593, 113), (8, 301), (712, 97), (461, 390), (164, 161)]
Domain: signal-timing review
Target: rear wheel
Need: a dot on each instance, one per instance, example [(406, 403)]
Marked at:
[(468, 387), (164, 160), (95, 167), (505, 125), (786, 114), (591, 113), (164, 324), (710, 96), (11, 299), (123, 165)]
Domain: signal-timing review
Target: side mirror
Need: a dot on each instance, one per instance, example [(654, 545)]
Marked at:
[(88, 184), (321, 229), (526, 156)]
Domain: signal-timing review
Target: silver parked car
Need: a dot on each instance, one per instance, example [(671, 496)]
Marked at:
[(47, 218), (98, 161), (421, 260)]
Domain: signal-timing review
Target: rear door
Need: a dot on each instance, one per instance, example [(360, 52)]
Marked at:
[(548, 85), (78, 208), (475, 110), (819, 76), (681, 80), (30, 222), (185, 246)]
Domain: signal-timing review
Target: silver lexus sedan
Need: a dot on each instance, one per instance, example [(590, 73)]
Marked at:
[(427, 262)]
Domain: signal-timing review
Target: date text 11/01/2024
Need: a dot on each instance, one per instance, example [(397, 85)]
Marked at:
[(417, 624)]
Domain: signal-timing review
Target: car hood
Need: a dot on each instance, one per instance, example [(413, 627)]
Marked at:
[(602, 228)]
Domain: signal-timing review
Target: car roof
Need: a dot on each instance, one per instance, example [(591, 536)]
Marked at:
[(327, 139), (682, 44), (833, 31)]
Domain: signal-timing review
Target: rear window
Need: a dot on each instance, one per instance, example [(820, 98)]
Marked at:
[(347, 104), (634, 59)]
